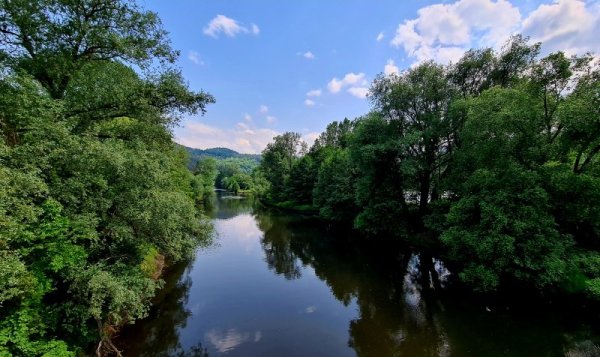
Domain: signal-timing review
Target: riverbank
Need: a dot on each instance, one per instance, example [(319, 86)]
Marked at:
[(291, 207)]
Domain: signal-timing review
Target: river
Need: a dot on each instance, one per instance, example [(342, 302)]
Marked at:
[(275, 284)]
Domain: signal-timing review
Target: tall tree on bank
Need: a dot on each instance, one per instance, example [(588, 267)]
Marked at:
[(497, 155), (94, 194), (278, 161), (417, 103), (53, 39), (523, 213)]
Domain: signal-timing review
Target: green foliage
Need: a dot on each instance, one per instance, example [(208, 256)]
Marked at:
[(115, 294), (416, 105), (260, 185), (220, 154), (205, 176), (21, 334), (502, 228), (334, 191), (380, 177), (92, 188), (15, 279), (583, 273), (148, 264), (593, 287), (52, 39), (278, 160), (302, 180), (497, 155)]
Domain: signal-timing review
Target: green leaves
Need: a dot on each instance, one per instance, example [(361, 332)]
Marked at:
[(501, 226), (52, 39), (15, 280), (116, 294), (89, 175), (278, 160), (498, 154)]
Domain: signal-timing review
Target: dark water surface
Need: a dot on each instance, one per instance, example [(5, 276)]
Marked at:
[(281, 285)]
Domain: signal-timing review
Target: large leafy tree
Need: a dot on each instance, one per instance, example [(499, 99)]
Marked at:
[(417, 102), (278, 160), (52, 39), (95, 195), (501, 225)]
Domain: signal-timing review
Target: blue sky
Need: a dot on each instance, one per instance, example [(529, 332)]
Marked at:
[(276, 66)]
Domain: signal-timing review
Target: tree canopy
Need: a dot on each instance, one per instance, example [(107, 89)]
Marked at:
[(94, 194), (496, 156)]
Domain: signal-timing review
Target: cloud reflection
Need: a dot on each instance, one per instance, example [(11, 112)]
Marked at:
[(310, 309), (224, 342)]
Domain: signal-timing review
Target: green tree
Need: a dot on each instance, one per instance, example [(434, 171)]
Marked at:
[(205, 177), (278, 161), (335, 188), (417, 101), (501, 227), (91, 182), (53, 39), (381, 177)]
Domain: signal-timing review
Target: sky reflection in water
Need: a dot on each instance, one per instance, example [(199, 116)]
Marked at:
[(274, 284)]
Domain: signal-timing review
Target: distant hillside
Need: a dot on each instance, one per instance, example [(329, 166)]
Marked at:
[(217, 153)]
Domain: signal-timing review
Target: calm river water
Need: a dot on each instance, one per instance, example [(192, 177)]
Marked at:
[(281, 285)]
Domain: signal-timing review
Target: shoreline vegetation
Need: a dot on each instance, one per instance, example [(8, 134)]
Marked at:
[(95, 197), (495, 159), (291, 207)]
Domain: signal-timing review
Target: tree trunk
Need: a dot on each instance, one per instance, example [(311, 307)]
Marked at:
[(424, 193)]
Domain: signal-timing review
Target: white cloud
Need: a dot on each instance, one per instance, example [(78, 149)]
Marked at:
[(352, 78), (255, 30), (442, 32), (571, 26), (309, 138), (335, 85), (309, 103), (242, 138), (310, 309), (390, 68), (308, 55), (247, 117), (228, 26), (257, 336), (359, 92), (271, 119), (380, 37), (195, 58), (264, 109), (314, 93)]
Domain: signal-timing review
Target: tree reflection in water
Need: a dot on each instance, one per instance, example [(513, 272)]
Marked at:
[(276, 241), (402, 305), (396, 301), (159, 330)]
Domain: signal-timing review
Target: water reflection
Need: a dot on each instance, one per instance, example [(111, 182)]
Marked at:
[(159, 330), (400, 308), (283, 285), (226, 341), (397, 314), (226, 205), (276, 244)]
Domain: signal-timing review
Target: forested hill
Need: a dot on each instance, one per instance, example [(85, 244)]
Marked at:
[(218, 154)]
